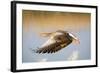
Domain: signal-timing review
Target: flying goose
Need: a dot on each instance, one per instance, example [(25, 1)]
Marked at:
[(57, 41)]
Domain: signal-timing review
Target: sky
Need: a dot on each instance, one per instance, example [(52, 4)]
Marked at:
[(36, 22)]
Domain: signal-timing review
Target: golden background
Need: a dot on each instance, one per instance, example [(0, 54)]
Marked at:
[(47, 20)]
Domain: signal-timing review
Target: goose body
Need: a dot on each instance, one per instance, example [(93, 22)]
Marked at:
[(57, 41)]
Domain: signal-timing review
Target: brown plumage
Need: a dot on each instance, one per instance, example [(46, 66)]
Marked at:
[(57, 41)]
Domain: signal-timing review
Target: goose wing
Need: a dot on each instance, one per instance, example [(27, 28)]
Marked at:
[(52, 48)]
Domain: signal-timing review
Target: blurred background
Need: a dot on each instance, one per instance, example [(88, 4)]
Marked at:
[(36, 22)]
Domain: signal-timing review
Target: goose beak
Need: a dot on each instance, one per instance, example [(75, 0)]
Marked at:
[(76, 41)]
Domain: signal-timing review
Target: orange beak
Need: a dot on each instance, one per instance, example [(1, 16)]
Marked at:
[(76, 41)]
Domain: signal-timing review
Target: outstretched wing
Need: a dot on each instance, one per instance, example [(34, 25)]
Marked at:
[(52, 48), (45, 34)]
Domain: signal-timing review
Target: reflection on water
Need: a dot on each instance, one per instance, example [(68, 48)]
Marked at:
[(35, 22)]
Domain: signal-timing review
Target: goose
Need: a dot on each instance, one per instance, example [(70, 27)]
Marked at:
[(57, 41)]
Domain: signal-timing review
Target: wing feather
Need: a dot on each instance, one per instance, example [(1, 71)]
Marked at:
[(52, 48), (45, 34)]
